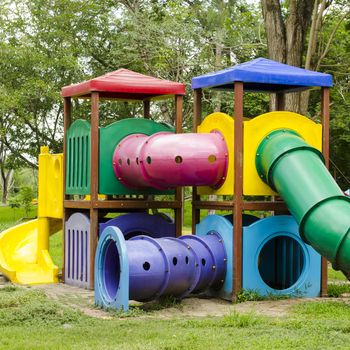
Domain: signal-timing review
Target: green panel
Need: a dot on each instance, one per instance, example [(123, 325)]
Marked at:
[(110, 136), (78, 158)]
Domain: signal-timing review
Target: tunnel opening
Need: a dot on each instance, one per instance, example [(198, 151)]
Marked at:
[(281, 262), (111, 270)]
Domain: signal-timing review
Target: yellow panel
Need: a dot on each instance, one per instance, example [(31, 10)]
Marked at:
[(225, 125), (256, 129), (50, 188)]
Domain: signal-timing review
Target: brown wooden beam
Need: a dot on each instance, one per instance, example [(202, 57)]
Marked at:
[(238, 187), (179, 190), (94, 181), (67, 120), (197, 118), (136, 204), (72, 204), (251, 205), (261, 205), (325, 120), (325, 124)]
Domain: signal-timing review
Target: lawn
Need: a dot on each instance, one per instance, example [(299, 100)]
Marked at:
[(28, 320), (10, 216)]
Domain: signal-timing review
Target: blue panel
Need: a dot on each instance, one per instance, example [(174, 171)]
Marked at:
[(216, 223), (287, 260), (262, 74)]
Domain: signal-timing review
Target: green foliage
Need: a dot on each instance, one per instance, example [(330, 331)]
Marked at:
[(254, 295), (56, 248), (25, 198), (335, 290), (10, 217), (14, 202), (335, 275)]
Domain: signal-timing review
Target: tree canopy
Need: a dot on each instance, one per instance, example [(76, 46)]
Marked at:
[(47, 44)]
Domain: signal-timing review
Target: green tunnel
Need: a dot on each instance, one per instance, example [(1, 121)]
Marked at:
[(297, 172)]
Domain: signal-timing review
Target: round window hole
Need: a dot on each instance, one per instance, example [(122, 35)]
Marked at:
[(203, 262), (178, 159), (212, 158), (174, 260), (137, 160), (149, 160), (187, 260), (128, 161), (146, 265), (281, 262)]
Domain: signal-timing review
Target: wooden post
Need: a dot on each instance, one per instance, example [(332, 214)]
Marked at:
[(94, 181), (146, 109), (179, 190), (325, 150), (67, 119), (197, 116), (238, 188)]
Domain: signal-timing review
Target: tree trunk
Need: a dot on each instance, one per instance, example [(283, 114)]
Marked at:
[(6, 184), (286, 39), (217, 101)]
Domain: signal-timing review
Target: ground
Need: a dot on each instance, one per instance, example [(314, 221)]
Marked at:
[(64, 317)]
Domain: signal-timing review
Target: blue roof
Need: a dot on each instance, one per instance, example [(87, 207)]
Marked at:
[(262, 74)]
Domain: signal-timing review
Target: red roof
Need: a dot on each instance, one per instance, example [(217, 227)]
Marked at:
[(124, 84)]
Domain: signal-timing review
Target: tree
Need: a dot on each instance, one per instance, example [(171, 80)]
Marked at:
[(286, 35), (293, 26)]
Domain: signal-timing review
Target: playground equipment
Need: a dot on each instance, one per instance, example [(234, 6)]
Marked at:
[(120, 167), (139, 157), (24, 256)]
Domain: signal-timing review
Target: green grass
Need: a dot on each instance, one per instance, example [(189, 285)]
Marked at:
[(56, 248), (335, 290), (28, 320), (335, 275), (10, 216)]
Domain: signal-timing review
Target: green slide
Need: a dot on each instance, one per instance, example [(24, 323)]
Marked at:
[(297, 172)]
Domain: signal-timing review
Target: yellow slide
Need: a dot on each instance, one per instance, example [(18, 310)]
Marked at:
[(24, 255)]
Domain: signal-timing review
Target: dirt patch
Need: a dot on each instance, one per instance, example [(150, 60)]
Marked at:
[(75, 298), (203, 307), (83, 300)]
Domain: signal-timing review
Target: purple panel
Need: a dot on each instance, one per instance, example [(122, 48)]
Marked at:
[(166, 266), (135, 224), (77, 243), (148, 268), (167, 160), (212, 258)]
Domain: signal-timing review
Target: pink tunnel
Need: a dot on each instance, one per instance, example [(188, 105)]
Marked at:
[(166, 160)]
